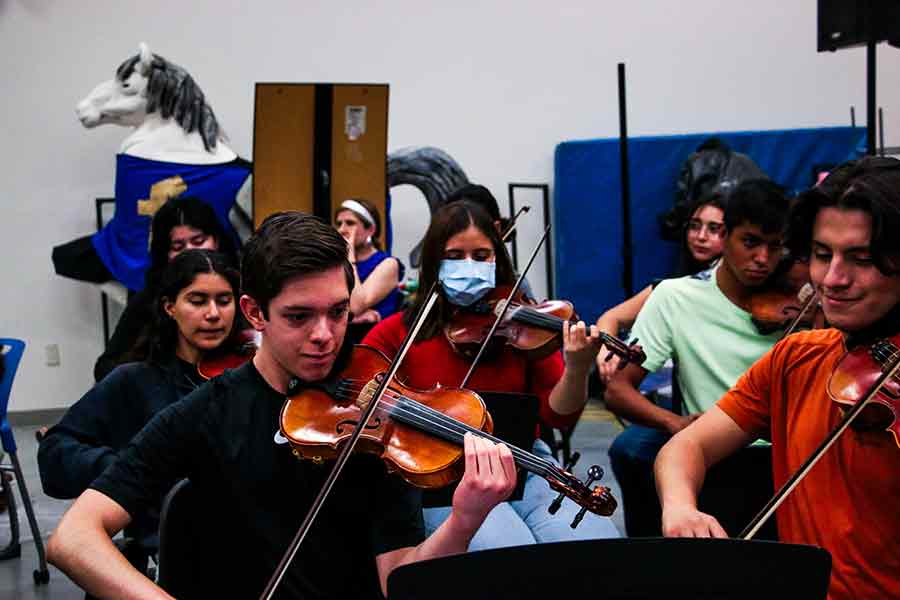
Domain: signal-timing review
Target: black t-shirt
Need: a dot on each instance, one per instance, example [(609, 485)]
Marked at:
[(255, 494)]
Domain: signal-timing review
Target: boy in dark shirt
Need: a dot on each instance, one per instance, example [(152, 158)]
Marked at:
[(226, 438)]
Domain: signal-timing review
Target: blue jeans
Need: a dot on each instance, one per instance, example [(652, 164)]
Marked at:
[(631, 455), (527, 521), (733, 490)]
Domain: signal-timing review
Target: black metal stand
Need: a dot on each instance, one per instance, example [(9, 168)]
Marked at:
[(870, 98), (627, 254), (104, 300), (545, 191)]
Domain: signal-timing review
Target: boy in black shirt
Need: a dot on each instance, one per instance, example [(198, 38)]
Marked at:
[(225, 438)]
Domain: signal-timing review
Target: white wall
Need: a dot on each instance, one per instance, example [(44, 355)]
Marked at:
[(497, 85)]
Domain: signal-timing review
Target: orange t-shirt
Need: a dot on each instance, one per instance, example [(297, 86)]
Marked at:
[(849, 503)]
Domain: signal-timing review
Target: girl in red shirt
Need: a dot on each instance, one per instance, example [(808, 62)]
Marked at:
[(462, 250)]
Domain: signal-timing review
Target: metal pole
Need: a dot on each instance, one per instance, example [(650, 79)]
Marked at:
[(870, 98), (627, 283)]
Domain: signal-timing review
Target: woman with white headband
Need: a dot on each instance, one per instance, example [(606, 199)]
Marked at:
[(375, 295)]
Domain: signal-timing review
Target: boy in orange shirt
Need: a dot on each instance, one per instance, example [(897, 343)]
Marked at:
[(848, 502)]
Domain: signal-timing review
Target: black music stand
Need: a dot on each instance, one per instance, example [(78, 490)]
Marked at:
[(622, 569)]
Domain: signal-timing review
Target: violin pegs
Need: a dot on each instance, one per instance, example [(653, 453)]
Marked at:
[(554, 506), (595, 473), (578, 518), (572, 460)]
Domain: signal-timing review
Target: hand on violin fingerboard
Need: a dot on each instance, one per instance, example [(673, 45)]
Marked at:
[(580, 345), (607, 367), (489, 479)]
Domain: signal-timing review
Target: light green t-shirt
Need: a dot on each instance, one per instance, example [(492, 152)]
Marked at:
[(711, 340)]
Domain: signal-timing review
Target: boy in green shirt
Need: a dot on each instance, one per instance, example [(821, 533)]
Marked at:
[(702, 322)]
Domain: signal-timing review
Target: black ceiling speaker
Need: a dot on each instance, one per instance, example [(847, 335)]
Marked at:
[(849, 23)]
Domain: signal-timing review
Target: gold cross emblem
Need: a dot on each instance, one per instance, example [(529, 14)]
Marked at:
[(160, 193)]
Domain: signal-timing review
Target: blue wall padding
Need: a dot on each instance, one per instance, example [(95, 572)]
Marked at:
[(587, 204)]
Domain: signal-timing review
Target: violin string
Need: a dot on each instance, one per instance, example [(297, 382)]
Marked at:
[(413, 415), (538, 319), (453, 432), (554, 323), (887, 361), (429, 417)]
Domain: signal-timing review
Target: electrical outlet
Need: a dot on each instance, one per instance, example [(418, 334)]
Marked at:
[(52, 352)]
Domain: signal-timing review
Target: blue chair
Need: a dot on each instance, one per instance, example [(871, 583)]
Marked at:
[(12, 351)]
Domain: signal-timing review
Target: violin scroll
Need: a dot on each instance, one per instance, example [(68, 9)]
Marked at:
[(627, 352), (599, 499)]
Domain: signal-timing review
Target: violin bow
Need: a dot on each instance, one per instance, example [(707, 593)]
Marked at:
[(772, 505), (504, 308), (348, 447), (512, 223), (813, 298)]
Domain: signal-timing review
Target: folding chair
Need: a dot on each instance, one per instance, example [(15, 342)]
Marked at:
[(12, 351), (178, 540)]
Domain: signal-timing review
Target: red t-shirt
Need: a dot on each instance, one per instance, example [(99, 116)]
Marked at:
[(849, 503), (434, 361)]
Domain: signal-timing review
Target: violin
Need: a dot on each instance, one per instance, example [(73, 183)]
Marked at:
[(418, 433), (215, 363), (856, 372), (788, 303), (865, 383), (533, 328)]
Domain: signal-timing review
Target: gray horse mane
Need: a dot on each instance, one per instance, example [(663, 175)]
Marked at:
[(172, 91)]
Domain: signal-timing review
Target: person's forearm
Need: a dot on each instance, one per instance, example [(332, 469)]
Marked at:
[(680, 469), (357, 296), (622, 316), (452, 537), (625, 401), (569, 395), (87, 555), (608, 323)]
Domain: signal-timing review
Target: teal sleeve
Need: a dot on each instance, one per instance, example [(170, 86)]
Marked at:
[(652, 328)]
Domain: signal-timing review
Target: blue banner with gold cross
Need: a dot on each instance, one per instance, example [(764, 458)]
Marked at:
[(142, 186)]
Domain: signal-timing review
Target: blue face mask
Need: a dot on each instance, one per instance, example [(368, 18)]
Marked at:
[(466, 281)]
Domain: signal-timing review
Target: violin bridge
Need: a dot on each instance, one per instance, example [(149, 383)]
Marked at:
[(366, 394)]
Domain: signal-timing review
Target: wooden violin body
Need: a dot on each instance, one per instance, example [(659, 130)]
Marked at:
[(418, 433), (535, 329), (788, 303), (319, 420), (215, 364), (855, 374), (532, 328)]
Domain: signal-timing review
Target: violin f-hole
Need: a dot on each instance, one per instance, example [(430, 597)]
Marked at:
[(374, 423)]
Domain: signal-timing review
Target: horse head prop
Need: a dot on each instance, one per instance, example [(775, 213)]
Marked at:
[(177, 148), (166, 107)]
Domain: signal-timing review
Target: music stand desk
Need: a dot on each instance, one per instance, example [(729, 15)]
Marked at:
[(622, 569)]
